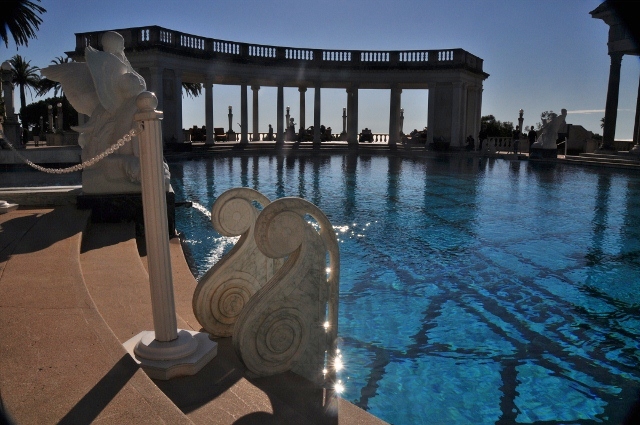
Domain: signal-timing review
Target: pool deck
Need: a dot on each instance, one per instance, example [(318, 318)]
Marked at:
[(72, 291)]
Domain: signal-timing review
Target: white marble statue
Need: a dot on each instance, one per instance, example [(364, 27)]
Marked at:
[(291, 323), (225, 289), (105, 88), (548, 134)]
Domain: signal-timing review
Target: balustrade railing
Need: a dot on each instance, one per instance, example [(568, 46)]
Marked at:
[(335, 137), (152, 36)]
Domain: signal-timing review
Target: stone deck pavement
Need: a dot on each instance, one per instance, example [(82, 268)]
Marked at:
[(71, 292)]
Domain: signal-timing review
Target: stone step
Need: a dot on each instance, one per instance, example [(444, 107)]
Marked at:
[(611, 162), (60, 361)]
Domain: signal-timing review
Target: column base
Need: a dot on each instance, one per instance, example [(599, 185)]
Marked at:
[(186, 355)]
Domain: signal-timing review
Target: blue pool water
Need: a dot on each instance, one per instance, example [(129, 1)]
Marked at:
[(472, 291)]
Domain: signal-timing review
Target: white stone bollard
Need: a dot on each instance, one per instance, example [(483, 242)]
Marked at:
[(167, 351)]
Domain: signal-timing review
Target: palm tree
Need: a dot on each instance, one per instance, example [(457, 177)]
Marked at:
[(20, 19), (192, 89), (47, 85), (25, 76)]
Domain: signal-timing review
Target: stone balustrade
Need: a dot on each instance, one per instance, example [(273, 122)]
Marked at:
[(377, 137), (151, 37)]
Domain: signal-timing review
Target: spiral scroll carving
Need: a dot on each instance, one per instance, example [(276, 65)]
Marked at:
[(225, 289), (281, 327)]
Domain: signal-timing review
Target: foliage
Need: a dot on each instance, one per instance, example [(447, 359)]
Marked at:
[(545, 117), (31, 113), (496, 128), (24, 76), (192, 89), (19, 18), (602, 122)]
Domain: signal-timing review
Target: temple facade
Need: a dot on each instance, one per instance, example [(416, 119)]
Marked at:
[(167, 58)]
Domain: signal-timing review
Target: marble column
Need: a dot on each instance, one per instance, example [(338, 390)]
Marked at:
[(316, 114), (178, 112), (456, 115), (244, 115), (301, 120), (352, 115), (611, 108), (280, 116), (394, 114), (431, 113), (636, 126), (7, 90), (155, 84), (166, 351), (208, 108), (256, 128)]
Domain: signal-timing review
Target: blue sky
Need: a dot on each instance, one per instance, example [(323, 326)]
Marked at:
[(540, 54)]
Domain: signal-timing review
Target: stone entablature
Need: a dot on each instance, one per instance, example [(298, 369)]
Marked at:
[(166, 59), (155, 37)]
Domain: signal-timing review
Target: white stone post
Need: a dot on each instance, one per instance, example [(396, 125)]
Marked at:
[(50, 111), (167, 351)]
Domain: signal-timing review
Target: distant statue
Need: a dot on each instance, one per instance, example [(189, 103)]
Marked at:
[(105, 88), (291, 130), (549, 132), (270, 134)]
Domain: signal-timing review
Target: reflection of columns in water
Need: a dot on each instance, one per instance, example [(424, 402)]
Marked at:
[(302, 190), (393, 182), (210, 179), (601, 209), (317, 194), (350, 165), (244, 171), (280, 192), (255, 177)]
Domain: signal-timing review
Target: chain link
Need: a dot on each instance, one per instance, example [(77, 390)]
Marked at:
[(88, 163)]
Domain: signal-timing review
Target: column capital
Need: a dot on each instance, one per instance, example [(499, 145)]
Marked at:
[(616, 58), (302, 89), (255, 87)]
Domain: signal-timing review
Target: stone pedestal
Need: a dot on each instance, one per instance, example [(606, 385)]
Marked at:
[(541, 153)]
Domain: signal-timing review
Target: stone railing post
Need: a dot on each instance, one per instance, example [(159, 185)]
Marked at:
[(167, 351)]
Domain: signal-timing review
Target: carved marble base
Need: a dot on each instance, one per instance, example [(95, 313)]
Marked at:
[(121, 207), (183, 356), (541, 153)]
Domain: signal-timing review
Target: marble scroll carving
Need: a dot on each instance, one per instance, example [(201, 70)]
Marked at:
[(225, 289), (291, 322)]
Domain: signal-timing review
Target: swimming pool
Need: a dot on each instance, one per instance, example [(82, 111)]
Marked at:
[(472, 291)]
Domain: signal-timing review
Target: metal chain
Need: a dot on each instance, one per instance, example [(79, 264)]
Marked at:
[(88, 163)]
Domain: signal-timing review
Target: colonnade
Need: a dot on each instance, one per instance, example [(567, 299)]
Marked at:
[(166, 58)]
